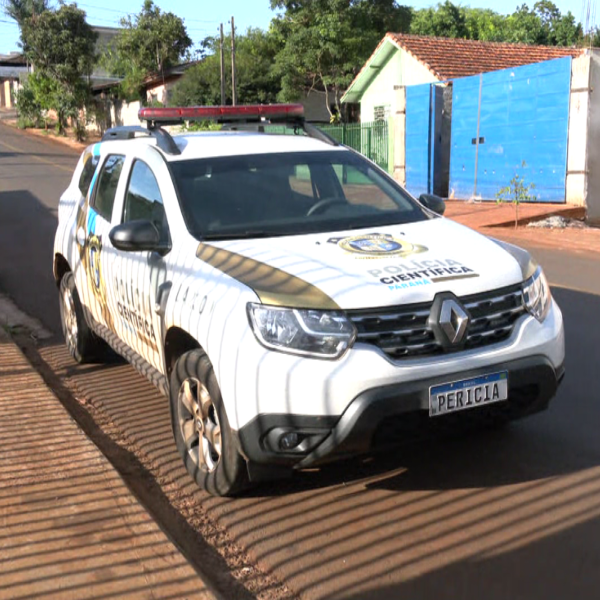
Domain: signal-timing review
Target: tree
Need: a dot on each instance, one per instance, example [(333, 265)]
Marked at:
[(24, 10), (21, 10), (255, 81), (325, 42), (445, 20), (61, 45), (544, 24), (150, 43), (517, 191), (485, 25)]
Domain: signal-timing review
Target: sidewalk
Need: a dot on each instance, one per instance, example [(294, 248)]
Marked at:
[(499, 221), (69, 526), (490, 214)]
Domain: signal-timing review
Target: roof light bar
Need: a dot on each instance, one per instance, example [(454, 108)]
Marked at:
[(223, 114)]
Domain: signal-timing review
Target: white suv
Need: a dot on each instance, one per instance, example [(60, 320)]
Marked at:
[(290, 298)]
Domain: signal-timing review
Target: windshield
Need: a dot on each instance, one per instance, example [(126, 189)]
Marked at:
[(287, 194)]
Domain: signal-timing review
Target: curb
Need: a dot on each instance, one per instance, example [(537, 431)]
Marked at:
[(71, 528)]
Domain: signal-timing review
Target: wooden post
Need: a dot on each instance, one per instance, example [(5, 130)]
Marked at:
[(222, 68), (233, 92)]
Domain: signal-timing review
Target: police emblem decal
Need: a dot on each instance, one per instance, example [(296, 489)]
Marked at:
[(377, 245)]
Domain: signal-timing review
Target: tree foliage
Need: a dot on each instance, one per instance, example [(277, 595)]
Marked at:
[(21, 10), (255, 80), (543, 24), (445, 20), (324, 42), (150, 42), (61, 46)]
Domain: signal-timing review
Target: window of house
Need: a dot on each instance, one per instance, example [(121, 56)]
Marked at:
[(381, 113)]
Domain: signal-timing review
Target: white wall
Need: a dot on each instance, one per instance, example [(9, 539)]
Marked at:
[(593, 147), (114, 113), (400, 69), (576, 187)]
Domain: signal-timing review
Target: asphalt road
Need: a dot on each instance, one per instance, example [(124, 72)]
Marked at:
[(500, 515)]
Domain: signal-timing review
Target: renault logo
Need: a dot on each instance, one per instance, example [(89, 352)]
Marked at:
[(448, 320), (453, 321)]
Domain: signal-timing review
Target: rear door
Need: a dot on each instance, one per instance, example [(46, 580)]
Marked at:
[(94, 228)]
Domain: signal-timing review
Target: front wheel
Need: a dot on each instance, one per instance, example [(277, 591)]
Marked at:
[(83, 345), (201, 428)]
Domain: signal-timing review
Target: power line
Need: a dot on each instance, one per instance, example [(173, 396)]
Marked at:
[(122, 12)]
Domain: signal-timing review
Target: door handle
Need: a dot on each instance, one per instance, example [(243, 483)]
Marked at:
[(80, 235), (161, 298)]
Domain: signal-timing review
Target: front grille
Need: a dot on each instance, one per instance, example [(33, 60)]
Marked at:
[(404, 331)]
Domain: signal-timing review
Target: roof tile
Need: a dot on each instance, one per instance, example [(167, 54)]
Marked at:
[(448, 58)]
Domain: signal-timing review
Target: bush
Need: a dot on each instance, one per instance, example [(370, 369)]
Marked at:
[(29, 110)]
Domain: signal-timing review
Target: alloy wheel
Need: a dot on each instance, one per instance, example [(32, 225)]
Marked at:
[(199, 424)]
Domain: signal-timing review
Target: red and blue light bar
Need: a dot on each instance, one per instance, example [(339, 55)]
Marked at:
[(223, 114)]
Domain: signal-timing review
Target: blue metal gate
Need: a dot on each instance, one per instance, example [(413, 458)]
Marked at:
[(426, 157), (418, 139), (504, 118)]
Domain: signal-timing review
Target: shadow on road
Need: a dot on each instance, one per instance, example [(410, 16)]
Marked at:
[(501, 514), (446, 518), (27, 230)]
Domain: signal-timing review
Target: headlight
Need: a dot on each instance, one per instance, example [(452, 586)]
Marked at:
[(323, 334), (536, 295)]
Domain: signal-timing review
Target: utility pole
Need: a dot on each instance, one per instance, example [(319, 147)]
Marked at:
[(222, 69), (233, 93)]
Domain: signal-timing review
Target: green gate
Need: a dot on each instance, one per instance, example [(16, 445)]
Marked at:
[(370, 139)]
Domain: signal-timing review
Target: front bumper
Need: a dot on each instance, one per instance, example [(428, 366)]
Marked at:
[(388, 414)]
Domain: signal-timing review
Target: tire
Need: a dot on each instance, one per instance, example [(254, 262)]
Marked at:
[(83, 344), (201, 428)]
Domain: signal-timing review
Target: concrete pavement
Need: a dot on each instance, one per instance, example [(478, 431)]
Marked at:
[(69, 526)]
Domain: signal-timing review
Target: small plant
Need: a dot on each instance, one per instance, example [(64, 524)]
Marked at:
[(516, 192)]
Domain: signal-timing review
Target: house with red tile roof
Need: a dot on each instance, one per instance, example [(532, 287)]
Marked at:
[(403, 60)]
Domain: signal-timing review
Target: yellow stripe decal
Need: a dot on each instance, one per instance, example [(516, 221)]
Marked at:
[(273, 286)]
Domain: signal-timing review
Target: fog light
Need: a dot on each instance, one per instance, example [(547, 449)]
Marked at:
[(289, 441)]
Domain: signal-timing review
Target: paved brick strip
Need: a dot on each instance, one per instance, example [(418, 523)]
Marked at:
[(69, 526)]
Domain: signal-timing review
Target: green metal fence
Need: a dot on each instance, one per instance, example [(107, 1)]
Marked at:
[(370, 139)]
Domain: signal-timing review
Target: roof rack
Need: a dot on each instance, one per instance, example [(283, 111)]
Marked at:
[(128, 132)]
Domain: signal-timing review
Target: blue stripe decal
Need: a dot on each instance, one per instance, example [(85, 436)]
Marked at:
[(91, 221), (96, 149), (93, 183)]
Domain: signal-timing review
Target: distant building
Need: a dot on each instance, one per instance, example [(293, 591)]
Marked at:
[(12, 66)]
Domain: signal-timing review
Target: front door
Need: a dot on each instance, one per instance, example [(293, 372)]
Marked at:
[(138, 276)]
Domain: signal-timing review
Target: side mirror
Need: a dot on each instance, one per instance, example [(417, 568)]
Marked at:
[(138, 236), (433, 202)]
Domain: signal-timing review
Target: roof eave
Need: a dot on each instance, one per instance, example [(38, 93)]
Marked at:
[(380, 56)]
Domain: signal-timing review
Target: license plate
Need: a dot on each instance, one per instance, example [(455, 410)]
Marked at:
[(468, 393)]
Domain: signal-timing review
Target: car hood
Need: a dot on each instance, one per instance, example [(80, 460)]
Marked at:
[(375, 267)]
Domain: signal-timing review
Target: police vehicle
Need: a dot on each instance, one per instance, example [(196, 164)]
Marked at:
[(292, 301)]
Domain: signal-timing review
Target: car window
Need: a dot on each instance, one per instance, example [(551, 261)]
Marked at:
[(87, 174), (362, 188), (301, 181), (288, 193), (143, 199), (104, 197)]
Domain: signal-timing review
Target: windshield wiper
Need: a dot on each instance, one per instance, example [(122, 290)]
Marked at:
[(248, 233)]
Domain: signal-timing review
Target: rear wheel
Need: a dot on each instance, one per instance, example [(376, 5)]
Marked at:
[(83, 345), (201, 428)]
